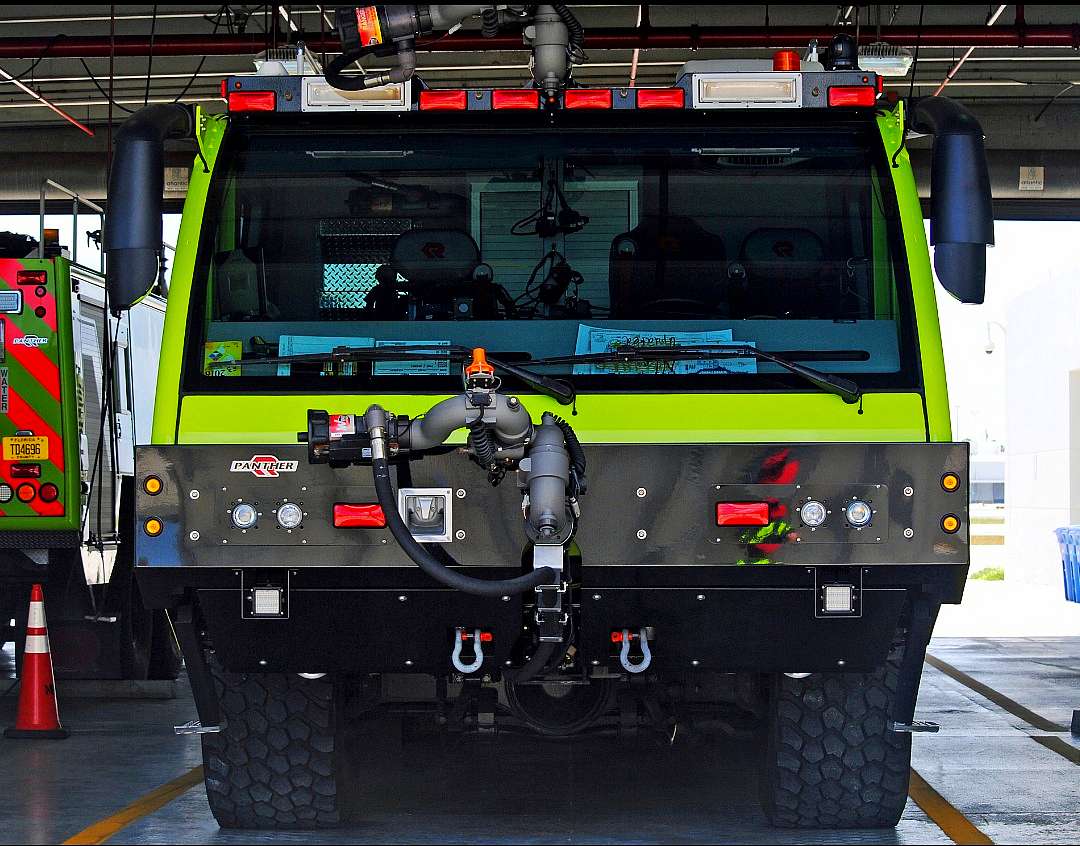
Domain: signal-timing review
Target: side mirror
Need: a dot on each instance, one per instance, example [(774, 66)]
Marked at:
[(136, 190), (961, 204)]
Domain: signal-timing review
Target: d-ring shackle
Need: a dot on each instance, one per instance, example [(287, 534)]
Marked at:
[(646, 653), (478, 652)]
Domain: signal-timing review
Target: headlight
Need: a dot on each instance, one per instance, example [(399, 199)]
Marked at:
[(813, 513), (290, 515), (244, 515), (859, 513)]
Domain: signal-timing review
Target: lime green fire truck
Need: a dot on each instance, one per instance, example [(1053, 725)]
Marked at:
[(552, 408), (76, 392)]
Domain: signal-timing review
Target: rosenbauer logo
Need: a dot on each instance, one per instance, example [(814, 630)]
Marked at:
[(264, 466)]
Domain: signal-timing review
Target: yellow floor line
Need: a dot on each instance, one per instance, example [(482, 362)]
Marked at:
[(958, 828), (102, 830), (1001, 700)]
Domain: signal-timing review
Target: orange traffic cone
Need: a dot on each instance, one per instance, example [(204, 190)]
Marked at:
[(38, 715)]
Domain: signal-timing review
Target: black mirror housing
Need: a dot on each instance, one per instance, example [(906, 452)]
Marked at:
[(136, 193), (961, 203)]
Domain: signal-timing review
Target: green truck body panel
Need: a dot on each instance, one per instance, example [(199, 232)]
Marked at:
[(614, 418), (40, 394)]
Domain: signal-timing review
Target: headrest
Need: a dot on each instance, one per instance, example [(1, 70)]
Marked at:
[(427, 256), (675, 238), (783, 246)]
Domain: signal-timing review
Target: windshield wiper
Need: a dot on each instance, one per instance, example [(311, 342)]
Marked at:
[(559, 390), (846, 389)]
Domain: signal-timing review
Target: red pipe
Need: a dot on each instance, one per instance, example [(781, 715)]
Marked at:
[(690, 37)]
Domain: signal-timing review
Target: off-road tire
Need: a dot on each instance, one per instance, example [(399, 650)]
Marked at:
[(276, 764), (831, 760)]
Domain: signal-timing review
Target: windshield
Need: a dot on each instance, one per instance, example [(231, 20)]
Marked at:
[(552, 243)]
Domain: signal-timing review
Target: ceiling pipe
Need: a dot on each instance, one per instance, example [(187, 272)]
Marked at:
[(95, 46), (955, 69), (82, 127)]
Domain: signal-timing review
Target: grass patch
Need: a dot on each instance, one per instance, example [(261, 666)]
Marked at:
[(990, 574)]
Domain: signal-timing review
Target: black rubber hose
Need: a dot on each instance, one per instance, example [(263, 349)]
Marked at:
[(335, 76), (573, 26), (535, 665), (573, 445), (423, 559), (483, 444), (489, 23)]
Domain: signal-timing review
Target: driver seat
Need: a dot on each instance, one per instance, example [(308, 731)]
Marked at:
[(663, 258), (439, 267)]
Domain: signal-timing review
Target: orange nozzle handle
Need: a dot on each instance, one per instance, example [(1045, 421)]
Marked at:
[(479, 365)]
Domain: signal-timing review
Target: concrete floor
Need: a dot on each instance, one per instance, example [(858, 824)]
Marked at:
[(984, 762)]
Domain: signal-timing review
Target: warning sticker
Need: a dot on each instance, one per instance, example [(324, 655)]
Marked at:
[(342, 425), (367, 26), (219, 358)]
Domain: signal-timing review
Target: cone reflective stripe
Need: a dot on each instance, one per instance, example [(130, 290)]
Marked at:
[(38, 714)]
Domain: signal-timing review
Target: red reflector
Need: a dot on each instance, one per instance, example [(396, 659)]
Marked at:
[(661, 98), (742, 514), (31, 277), (224, 89), (583, 98), (49, 492), (852, 95), (879, 84), (25, 471), (252, 101), (444, 101), (348, 516), (786, 60), (515, 98)]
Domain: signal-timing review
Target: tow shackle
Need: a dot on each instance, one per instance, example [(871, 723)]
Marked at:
[(460, 637), (646, 653)]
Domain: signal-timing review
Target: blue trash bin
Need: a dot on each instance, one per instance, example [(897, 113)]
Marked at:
[(1069, 541)]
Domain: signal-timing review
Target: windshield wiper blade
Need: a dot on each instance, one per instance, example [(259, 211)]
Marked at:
[(559, 390), (846, 389)]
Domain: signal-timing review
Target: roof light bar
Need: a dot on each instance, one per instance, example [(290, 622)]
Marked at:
[(852, 95), (515, 98), (444, 101), (747, 90), (318, 95), (252, 101), (661, 98), (585, 98)]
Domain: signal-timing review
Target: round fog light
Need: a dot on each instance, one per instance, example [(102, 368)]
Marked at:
[(859, 513), (813, 513), (244, 515), (290, 515)]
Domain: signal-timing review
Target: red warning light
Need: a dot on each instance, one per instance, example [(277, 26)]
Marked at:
[(786, 60)]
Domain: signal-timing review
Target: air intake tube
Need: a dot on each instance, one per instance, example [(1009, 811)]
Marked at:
[(136, 188), (961, 205)]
